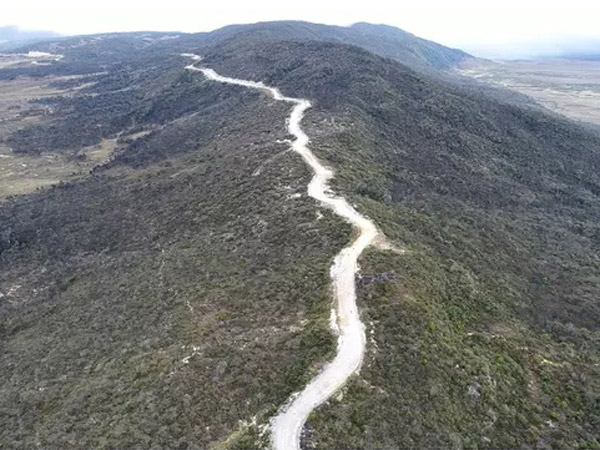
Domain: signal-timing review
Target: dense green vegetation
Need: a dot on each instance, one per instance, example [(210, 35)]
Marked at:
[(383, 40), (486, 337), (489, 336), (175, 250)]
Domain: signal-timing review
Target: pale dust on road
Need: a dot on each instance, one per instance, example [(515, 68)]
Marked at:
[(286, 427)]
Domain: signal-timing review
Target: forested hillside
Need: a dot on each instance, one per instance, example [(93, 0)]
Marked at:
[(488, 337), (178, 290), (177, 296), (383, 40)]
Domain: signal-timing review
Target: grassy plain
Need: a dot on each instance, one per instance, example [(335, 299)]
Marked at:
[(567, 87), (20, 107)]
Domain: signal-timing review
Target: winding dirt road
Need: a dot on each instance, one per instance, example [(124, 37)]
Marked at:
[(287, 426)]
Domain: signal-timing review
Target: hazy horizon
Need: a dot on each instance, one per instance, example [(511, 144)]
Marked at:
[(513, 29)]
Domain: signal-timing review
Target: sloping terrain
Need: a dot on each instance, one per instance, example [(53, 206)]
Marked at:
[(383, 40), (171, 294), (183, 287), (493, 318)]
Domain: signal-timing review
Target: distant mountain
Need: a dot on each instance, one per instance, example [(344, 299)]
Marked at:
[(580, 49), (564, 47), (383, 40), (583, 56), (12, 36)]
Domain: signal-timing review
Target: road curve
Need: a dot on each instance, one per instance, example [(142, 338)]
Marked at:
[(286, 427)]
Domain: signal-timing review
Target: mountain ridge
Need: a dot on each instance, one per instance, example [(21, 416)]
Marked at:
[(175, 298), (384, 40)]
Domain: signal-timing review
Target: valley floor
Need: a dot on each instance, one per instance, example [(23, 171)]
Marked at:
[(568, 87), (20, 107)]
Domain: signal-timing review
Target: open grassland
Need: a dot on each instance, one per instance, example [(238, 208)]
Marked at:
[(14, 60), (23, 103), (23, 174), (567, 87)]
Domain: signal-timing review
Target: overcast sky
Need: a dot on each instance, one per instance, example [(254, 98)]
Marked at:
[(484, 27)]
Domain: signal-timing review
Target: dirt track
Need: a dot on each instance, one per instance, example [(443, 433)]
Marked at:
[(286, 427)]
